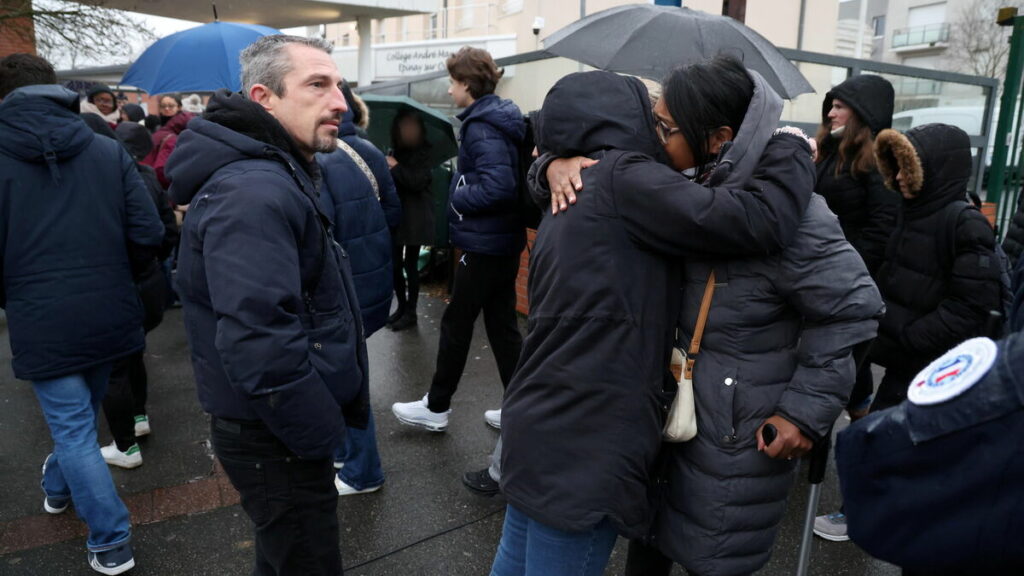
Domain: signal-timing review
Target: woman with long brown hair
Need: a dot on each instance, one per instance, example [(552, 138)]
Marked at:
[(852, 114)]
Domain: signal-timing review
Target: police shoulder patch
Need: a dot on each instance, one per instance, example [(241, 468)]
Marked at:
[(953, 373)]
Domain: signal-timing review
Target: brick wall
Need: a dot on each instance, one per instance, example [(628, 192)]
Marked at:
[(522, 296), (16, 35)]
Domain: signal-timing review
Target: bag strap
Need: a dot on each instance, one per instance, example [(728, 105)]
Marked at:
[(362, 165), (702, 321)]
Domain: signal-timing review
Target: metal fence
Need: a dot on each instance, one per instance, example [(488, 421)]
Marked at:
[(923, 96)]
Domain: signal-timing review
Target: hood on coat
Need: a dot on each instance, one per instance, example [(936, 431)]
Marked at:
[(41, 124), (177, 123), (587, 112), (135, 138), (935, 158), (739, 158), (502, 114), (870, 97), (233, 128)]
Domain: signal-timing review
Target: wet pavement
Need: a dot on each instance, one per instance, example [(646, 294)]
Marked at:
[(422, 522)]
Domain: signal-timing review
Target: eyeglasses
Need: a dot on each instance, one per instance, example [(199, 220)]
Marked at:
[(172, 106), (663, 130)]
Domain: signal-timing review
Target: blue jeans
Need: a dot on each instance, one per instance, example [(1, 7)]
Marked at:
[(362, 460), (76, 469), (529, 548)]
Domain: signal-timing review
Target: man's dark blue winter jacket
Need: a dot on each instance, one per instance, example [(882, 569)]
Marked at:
[(362, 223), (70, 201), (484, 216), (270, 309)]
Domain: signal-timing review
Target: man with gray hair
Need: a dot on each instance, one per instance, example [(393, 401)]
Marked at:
[(270, 310)]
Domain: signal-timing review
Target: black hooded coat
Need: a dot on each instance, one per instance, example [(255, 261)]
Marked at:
[(582, 418), (866, 209), (929, 308)]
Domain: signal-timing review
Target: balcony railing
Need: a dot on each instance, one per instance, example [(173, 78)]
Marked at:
[(920, 35)]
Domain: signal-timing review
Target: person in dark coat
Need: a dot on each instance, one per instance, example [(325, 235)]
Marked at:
[(486, 226), (1013, 243), (933, 485), (930, 308), (777, 350), (410, 168), (125, 402), (362, 203), (582, 418), (132, 113), (932, 303), (271, 312), (851, 115), (71, 204)]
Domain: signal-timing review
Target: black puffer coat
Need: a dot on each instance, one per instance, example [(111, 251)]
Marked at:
[(1013, 243), (866, 209), (930, 309), (582, 417)]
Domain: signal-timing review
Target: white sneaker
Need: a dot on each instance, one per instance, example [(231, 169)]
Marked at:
[(130, 459), (142, 426), (493, 418), (417, 414), (346, 490)]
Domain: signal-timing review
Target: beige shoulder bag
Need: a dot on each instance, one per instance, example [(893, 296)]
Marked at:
[(682, 417)]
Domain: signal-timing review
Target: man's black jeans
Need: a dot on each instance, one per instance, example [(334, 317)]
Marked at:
[(292, 503)]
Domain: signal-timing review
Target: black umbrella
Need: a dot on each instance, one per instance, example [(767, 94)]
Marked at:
[(649, 41)]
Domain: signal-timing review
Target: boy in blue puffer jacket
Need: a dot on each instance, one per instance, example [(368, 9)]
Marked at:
[(486, 227)]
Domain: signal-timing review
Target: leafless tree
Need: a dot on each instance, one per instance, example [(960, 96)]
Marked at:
[(977, 45), (69, 33)]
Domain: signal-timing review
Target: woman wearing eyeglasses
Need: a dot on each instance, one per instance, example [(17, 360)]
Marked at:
[(174, 120), (787, 308), (582, 418)]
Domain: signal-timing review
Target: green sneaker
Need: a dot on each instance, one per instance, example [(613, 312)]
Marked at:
[(142, 426)]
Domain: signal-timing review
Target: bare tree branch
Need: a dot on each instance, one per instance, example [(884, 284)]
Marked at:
[(68, 32), (977, 45)]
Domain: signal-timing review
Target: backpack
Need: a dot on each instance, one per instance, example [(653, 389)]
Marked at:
[(946, 246), (529, 213)]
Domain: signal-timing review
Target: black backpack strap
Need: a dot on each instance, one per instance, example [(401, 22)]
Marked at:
[(946, 244)]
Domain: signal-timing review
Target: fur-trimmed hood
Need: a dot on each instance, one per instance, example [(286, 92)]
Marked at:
[(935, 158)]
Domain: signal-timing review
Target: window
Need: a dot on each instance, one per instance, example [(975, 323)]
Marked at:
[(432, 33), (878, 25), (926, 15)]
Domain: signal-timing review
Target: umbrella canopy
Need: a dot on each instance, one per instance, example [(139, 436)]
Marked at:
[(383, 110), (649, 41), (200, 59)]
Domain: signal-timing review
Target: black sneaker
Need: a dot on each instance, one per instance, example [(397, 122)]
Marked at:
[(408, 320), (396, 316), (114, 561), (481, 483)]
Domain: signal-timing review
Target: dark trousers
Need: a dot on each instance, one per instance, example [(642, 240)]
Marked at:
[(126, 398), (644, 560), (862, 389), (292, 503), (893, 388), (482, 283), (407, 286)]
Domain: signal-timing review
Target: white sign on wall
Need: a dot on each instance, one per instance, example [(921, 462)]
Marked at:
[(391, 61)]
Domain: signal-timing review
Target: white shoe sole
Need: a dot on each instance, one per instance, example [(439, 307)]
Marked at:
[(112, 571), (122, 464), (419, 423), (354, 492), (141, 431), (495, 425), (51, 510), (831, 537)]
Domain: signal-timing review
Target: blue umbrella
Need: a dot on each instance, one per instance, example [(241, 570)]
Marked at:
[(200, 59)]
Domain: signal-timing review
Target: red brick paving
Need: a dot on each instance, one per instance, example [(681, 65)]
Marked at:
[(204, 495)]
